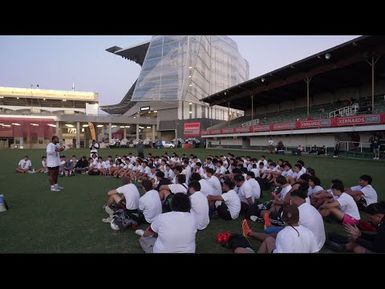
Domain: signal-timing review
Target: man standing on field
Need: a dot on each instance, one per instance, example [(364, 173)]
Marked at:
[(53, 163)]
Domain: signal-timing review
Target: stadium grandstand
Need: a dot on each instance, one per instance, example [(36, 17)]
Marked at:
[(30, 116), (336, 96)]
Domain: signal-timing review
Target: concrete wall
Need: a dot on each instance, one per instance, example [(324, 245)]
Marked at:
[(295, 140)]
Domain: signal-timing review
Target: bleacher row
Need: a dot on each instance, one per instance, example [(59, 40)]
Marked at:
[(316, 112)]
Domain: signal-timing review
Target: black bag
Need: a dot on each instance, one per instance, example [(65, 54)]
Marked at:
[(122, 219)]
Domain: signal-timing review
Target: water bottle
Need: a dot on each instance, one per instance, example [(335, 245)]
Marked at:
[(3, 204)]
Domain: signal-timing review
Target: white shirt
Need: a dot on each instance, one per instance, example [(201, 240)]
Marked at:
[(150, 205), (176, 233), (312, 219), (53, 157), (233, 203), (316, 189), (348, 205), (177, 188), (284, 192), (25, 164), (370, 194), (131, 194), (245, 191), (288, 240), (200, 210), (206, 188), (256, 187), (216, 185)]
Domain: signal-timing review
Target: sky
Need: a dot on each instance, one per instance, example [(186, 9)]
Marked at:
[(56, 62)]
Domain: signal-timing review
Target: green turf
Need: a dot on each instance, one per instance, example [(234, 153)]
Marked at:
[(41, 221)]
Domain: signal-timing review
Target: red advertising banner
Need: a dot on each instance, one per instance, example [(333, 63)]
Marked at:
[(227, 130), (282, 126), (215, 131), (313, 123), (260, 127), (205, 132), (243, 129), (357, 120), (192, 129), (367, 119)]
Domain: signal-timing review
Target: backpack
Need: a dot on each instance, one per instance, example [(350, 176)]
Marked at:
[(122, 220)]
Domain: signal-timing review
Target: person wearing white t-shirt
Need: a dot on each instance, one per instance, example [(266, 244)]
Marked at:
[(199, 205), (294, 238), (127, 193), (24, 165), (364, 194), (149, 204), (176, 230), (214, 182), (344, 208), (245, 192), (228, 205), (179, 187), (314, 186), (53, 162), (206, 188), (250, 178), (309, 216)]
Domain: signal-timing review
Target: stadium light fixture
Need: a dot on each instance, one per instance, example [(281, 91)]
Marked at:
[(99, 125), (16, 124), (262, 79), (85, 125), (148, 126), (34, 124), (327, 56), (155, 111), (69, 125)]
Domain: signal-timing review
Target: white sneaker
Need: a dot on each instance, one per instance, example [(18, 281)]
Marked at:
[(139, 232), (59, 187), (54, 189), (109, 210), (107, 220), (254, 218)]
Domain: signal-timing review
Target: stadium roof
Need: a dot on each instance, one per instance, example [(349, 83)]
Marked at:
[(345, 65), (135, 53)]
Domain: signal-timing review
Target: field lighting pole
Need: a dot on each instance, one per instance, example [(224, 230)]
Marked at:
[(307, 80), (372, 63), (252, 107)]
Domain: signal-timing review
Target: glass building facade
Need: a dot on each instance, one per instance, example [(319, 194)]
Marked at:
[(189, 68)]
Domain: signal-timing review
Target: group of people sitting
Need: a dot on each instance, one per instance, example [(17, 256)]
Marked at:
[(178, 196)]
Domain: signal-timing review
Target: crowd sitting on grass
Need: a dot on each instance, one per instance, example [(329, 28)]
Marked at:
[(176, 196)]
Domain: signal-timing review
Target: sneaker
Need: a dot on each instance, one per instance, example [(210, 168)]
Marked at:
[(107, 220), (254, 218), (59, 187), (54, 189), (139, 232), (245, 228), (109, 210)]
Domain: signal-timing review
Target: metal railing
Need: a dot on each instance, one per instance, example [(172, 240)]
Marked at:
[(345, 111)]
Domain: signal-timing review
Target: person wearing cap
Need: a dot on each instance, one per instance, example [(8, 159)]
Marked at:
[(369, 243)]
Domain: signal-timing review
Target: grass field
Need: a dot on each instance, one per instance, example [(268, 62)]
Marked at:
[(41, 221)]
